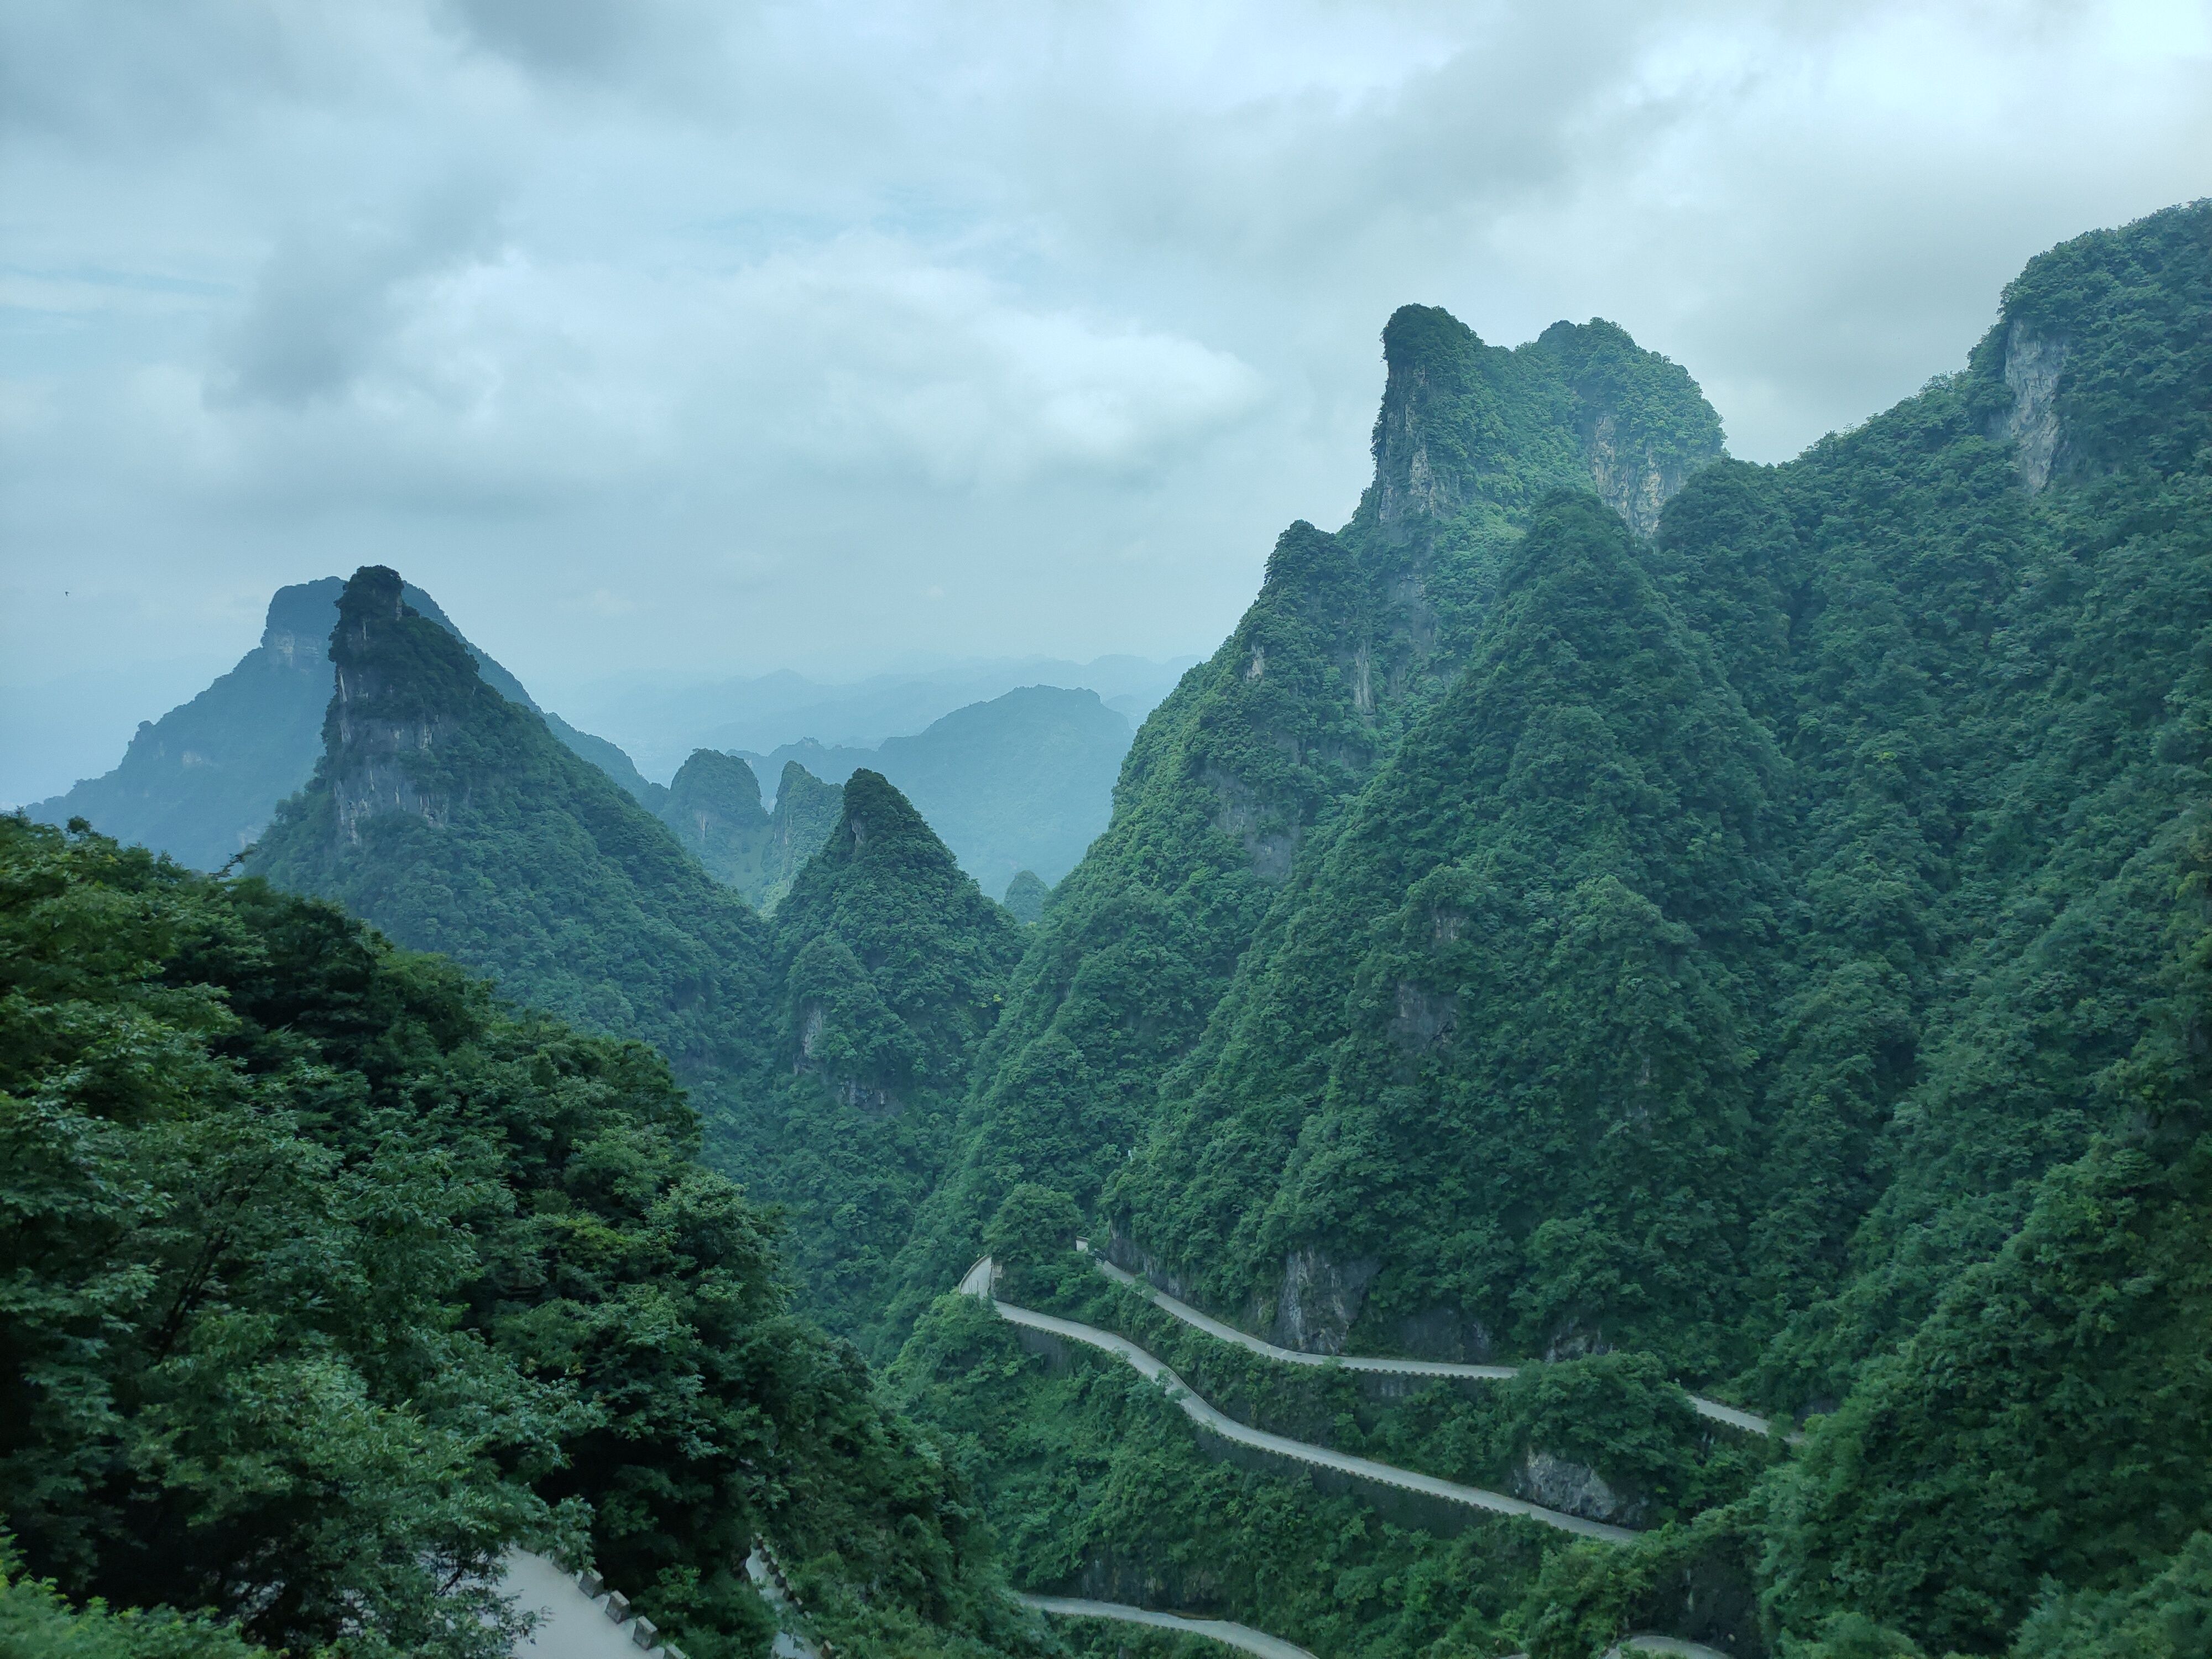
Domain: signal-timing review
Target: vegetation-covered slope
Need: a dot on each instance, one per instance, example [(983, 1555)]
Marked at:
[(1352, 635), (1765, 954), (893, 964), (450, 818), (324, 1278), (1524, 979), (200, 782), (713, 806)]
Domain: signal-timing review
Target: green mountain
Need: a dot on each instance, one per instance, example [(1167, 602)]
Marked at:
[(1526, 976), (1025, 896), (1771, 954), (450, 817), (1352, 636), (892, 963), (200, 782), (326, 1278), (713, 806), (1024, 781)]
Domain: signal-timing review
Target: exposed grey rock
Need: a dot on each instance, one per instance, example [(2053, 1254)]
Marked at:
[(2032, 365), (1576, 1488), (1320, 1300)]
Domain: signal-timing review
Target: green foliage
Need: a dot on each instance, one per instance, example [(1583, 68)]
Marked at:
[(1025, 896), (1524, 975), (1101, 1488), (807, 811), (36, 1623), (2169, 1616), (450, 818), (713, 806), (893, 963), (200, 783), (323, 1280), (1748, 950), (1245, 764)]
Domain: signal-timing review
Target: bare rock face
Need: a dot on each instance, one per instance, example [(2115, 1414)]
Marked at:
[(2033, 362), (1320, 1300), (1130, 1257), (1426, 1019), (377, 734), (1631, 478), (1268, 834), (1575, 1488), (1409, 487), (1144, 1577)]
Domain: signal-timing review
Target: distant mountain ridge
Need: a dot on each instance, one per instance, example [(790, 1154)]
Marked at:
[(662, 727), (200, 782), (1025, 781)]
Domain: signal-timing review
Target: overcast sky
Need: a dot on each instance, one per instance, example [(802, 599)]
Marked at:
[(684, 338)]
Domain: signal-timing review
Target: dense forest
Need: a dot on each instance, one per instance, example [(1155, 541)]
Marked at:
[(1636, 920), (329, 1277)]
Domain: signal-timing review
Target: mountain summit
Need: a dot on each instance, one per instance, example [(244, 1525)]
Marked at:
[(1353, 636), (452, 818), (200, 782)]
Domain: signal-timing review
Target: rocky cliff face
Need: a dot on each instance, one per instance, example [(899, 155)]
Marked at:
[(384, 723), (2034, 361), (1466, 427)]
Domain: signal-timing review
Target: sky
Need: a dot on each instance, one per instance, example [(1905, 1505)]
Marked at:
[(672, 339)]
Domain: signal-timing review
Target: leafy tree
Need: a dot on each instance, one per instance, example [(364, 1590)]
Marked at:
[(324, 1279)]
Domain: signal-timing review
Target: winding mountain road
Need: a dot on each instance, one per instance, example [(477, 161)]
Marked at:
[(978, 1283), (1731, 1415), (1242, 1637)]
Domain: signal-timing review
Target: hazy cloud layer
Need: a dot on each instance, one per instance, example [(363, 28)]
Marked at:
[(673, 338)]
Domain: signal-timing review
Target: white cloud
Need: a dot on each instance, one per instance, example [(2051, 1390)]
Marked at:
[(770, 318)]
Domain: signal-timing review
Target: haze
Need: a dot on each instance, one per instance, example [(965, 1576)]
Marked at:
[(678, 341)]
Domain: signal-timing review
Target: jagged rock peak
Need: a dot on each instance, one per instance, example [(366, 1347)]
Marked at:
[(1464, 424), (402, 685), (297, 630)]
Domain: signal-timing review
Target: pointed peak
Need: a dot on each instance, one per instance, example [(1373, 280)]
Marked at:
[(1418, 337), (712, 789), (877, 814)]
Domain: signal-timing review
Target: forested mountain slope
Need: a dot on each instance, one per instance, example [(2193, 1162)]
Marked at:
[(1781, 959), (324, 1278), (1891, 936), (451, 819), (200, 782), (891, 965), (713, 806), (1352, 636), (1520, 989)]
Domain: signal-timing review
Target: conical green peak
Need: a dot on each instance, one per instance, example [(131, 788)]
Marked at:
[(877, 819), (717, 788)]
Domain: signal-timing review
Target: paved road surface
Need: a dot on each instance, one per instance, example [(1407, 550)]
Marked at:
[(1212, 1326), (1235, 1636), (978, 1283), (571, 1625)]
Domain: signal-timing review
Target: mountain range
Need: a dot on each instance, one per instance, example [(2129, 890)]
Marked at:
[(1025, 781), (661, 725), (1687, 979), (200, 782)]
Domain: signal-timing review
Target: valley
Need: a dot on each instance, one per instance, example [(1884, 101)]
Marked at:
[(1623, 1066)]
